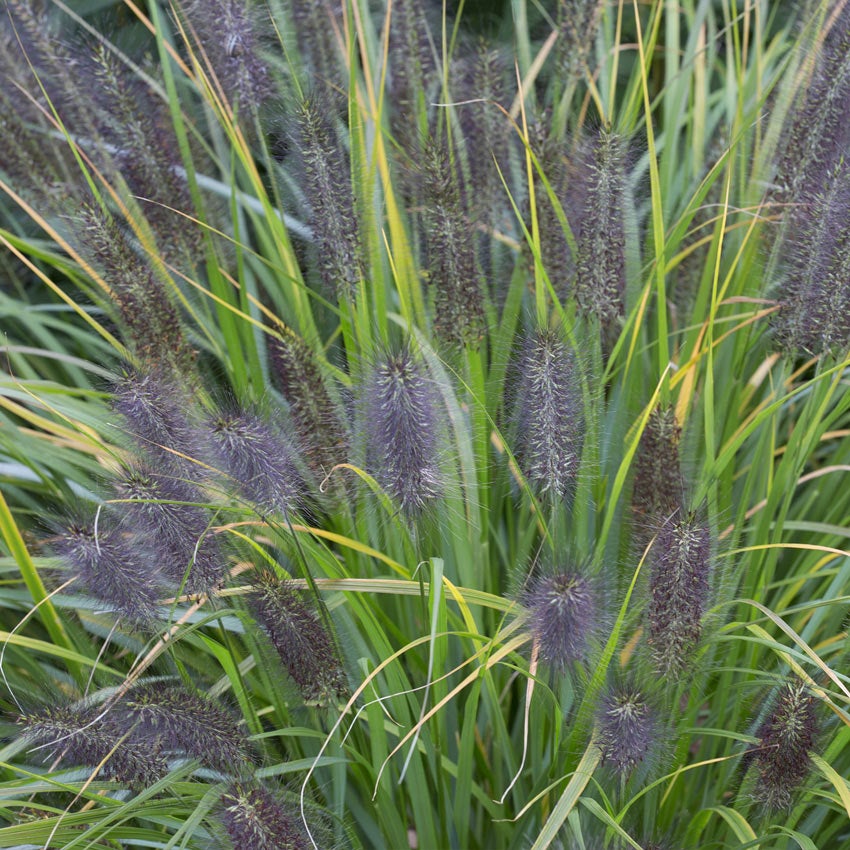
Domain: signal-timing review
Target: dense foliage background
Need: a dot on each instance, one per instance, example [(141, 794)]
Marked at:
[(424, 425)]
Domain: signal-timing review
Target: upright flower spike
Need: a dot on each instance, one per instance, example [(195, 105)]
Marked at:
[(455, 276), (402, 426), (327, 178), (627, 726), (254, 818), (562, 611), (78, 736), (149, 318), (658, 484), (154, 408), (599, 224), (785, 740), (112, 571), (317, 421), (578, 21), (227, 37), (680, 566), (815, 289), (550, 414), (300, 639), (257, 457)]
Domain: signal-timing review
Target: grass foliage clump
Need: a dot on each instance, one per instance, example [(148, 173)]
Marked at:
[(424, 424)]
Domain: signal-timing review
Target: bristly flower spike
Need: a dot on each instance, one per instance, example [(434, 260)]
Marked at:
[(562, 611), (785, 739), (550, 414), (627, 726), (327, 180), (402, 422), (183, 722), (80, 737), (111, 570), (600, 227), (228, 37), (258, 458), (680, 568), (255, 819), (296, 632)]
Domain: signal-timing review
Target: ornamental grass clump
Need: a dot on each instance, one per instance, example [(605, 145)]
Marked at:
[(321, 322)]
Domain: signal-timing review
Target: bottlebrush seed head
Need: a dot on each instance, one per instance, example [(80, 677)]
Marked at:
[(550, 414), (627, 726), (317, 421), (455, 275), (257, 457), (154, 409), (79, 737), (680, 567), (177, 535), (183, 722), (785, 739), (327, 178), (562, 612), (300, 639), (814, 293), (227, 35), (111, 570), (600, 227), (254, 818), (578, 21), (402, 428), (658, 483)]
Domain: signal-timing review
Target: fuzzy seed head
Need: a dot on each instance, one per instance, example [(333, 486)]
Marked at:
[(550, 414), (79, 737), (317, 421), (658, 483), (177, 535), (258, 458), (785, 739), (181, 721), (154, 410), (455, 275), (578, 21), (403, 424), (680, 567), (600, 229), (627, 728), (227, 34), (255, 819), (112, 571), (327, 180), (815, 290), (300, 639), (562, 611)]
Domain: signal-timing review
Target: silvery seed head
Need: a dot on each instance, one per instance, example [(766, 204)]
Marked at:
[(563, 611), (257, 457), (403, 422), (550, 414)]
